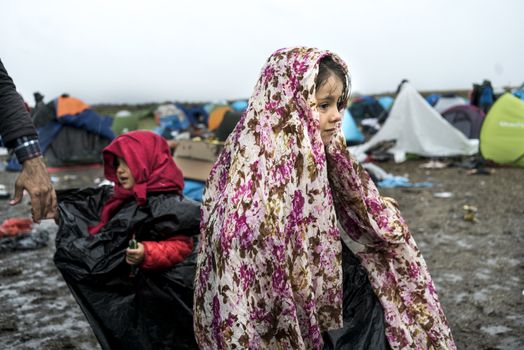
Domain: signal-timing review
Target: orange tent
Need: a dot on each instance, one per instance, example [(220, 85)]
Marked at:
[(216, 116), (69, 105)]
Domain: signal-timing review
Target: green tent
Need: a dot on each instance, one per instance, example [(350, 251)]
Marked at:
[(125, 121), (502, 133)]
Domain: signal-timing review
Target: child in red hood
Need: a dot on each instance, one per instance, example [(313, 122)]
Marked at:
[(153, 309), (140, 162)]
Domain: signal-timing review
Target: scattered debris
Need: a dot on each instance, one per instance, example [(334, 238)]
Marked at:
[(400, 181), (65, 178), (15, 226), (443, 194), (480, 171), (69, 177), (10, 271), (434, 164), (22, 234), (3, 192), (470, 213)]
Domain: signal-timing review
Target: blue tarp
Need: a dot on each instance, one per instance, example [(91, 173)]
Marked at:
[(400, 181), (91, 121), (194, 189)]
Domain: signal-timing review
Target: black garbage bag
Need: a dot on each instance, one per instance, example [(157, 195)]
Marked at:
[(364, 325), (153, 309)]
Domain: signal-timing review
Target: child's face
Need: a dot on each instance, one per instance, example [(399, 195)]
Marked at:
[(123, 174), (328, 96)]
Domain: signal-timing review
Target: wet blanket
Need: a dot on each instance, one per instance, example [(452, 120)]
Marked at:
[(153, 309)]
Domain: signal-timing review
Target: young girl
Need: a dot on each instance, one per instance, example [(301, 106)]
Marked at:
[(269, 270), (151, 310)]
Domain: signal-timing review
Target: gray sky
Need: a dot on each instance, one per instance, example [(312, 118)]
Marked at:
[(155, 50)]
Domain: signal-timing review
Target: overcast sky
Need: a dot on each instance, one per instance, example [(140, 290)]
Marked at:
[(156, 50)]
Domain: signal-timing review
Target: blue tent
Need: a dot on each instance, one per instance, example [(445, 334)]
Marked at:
[(350, 129), (72, 138), (195, 114), (386, 101), (433, 99), (519, 94), (239, 105)]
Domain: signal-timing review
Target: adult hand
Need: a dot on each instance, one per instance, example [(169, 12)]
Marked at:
[(35, 180), (135, 256)]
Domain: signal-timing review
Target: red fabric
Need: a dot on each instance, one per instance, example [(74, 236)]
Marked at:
[(15, 226), (149, 159), (164, 254)]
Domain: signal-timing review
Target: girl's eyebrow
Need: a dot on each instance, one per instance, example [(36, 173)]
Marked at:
[(328, 98)]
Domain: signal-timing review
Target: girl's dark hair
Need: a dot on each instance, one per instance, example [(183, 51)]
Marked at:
[(327, 67)]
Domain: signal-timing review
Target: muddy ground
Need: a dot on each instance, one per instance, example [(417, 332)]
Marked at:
[(478, 267)]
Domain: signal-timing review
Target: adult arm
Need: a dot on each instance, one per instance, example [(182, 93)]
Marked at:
[(19, 135)]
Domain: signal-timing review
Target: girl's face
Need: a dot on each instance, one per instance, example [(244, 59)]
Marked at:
[(123, 174), (328, 97)]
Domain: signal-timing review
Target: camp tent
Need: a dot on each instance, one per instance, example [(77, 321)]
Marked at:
[(519, 94), (502, 133), (466, 118), (446, 102), (124, 121), (170, 119), (239, 105), (350, 129), (72, 133), (226, 127), (433, 99), (195, 112), (386, 102), (418, 128), (216, 116), (365, 107)]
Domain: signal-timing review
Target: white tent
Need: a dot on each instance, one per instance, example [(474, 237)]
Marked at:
[(420, 129), (444, 103)]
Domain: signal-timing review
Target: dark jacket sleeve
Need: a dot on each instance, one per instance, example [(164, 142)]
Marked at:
[(15, 121)]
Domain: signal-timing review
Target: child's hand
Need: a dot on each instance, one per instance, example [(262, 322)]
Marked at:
[(135, 256)]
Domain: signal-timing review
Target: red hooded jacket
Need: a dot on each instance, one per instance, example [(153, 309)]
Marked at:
[(154, 170)]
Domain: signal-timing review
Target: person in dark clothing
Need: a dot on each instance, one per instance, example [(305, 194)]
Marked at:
[(20, 137), (43, 112)]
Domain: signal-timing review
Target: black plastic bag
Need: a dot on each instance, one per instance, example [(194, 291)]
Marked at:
[(153, 309), (364, 325)]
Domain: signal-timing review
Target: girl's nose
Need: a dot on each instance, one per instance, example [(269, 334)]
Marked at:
[(336, 117)]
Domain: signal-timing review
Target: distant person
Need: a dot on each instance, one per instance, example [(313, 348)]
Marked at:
[(152, 309), (21, 138), (283, 195), (42, 113), (486, 96)]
